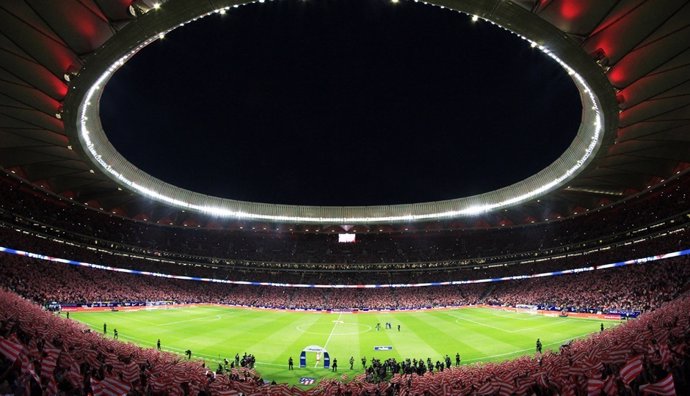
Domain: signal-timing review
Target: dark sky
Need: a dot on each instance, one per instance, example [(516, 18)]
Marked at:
[(340, 102)]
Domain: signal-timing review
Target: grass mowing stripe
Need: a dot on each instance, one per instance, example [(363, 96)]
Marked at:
[(462, 338), (287, 341), (422, 335), (385, 337), (489, 339), (140, 342), (514, 315), (479, 323), (523, 329), (330, 335), (203, 319), (520, 352), (335, 324), (213, 333)]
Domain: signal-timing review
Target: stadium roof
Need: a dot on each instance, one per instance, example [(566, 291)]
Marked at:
[(634, 56)]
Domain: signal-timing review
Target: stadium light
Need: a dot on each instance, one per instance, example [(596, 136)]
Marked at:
[(100, 150)]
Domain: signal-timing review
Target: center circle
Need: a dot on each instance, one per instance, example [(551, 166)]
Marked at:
[(340, 103)]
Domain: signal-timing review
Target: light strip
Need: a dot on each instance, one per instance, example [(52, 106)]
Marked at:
[(148, 186)]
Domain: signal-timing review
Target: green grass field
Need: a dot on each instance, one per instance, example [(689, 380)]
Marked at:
[(214, 333)]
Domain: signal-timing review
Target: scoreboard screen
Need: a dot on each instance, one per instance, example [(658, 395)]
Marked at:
[(346, 238)]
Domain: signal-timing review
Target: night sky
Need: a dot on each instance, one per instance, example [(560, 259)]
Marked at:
[(340, 102)]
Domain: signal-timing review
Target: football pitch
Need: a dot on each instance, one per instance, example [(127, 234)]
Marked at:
[(213, 333)]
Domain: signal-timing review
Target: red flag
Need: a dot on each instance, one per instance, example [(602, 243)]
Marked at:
[(91, 357), (52, 387), (74, 376), (446, 387), (666, 357), (109, 387), (130, 372), (579, 355), (158, 383), (576, 370), (594, 387), (568, 389), (48, 366), (610, 386), (665, 387), (593, 365), (524, 386), (383, 387), (505, 388), (541, 380), (487, 389), (14, 351), (616, 356), (298, 392), (244, 387), (11, 350), (661, 335), (226, 392), (631, 369), (280, 390), (175, 390)]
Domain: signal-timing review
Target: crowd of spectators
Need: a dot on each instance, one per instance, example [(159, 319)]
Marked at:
[(634, 288), (42, 353), (653, 244), (25, 205)]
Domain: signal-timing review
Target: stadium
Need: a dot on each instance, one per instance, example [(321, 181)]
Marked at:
[(569, 278)]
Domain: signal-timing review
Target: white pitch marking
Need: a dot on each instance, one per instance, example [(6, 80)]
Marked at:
[(203, 319), (335, 324), (515, 315), (481, 324), (528, 349), (520, 330)]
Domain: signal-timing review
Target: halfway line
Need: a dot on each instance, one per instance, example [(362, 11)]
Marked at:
[(335, 324)]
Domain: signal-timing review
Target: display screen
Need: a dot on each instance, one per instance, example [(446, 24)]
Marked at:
[(346, 238)]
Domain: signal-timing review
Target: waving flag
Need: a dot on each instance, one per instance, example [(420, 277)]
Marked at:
[(665, 387), (11, 350), (616, 356), (666, 357), (109, 387), (631, 369), (524, 386), (48, 365), (227, 392), (130, 372), (594, 387), (610, 386), (487, 389)]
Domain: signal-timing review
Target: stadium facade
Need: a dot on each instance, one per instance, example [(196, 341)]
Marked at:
[(629, 70)]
